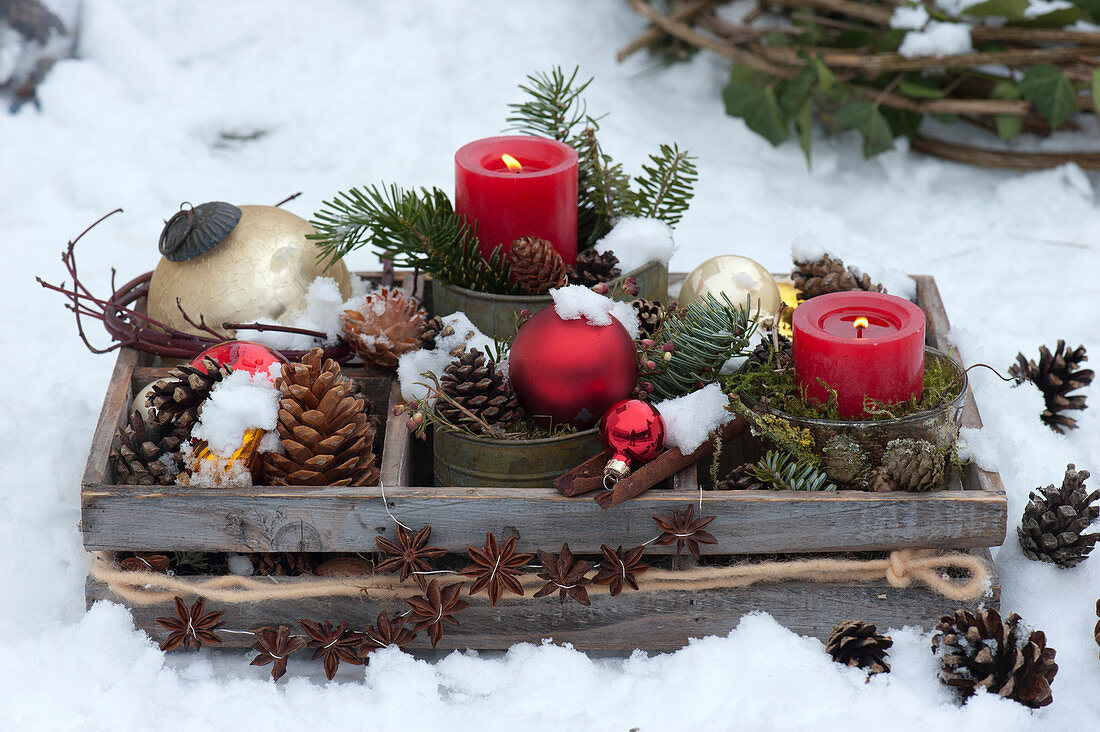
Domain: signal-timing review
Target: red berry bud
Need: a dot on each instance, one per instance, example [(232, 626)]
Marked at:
[(668, 347), (651, 365), (601, 288), (630, 286), (647, 343)]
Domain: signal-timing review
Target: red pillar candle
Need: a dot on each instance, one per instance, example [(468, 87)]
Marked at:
[(860, 344), (539, 198)]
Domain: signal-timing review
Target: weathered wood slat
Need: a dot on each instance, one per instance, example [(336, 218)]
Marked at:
[(116, 405), (658, 621), (344, 519)]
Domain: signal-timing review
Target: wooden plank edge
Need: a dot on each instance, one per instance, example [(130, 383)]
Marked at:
[(112, 415)]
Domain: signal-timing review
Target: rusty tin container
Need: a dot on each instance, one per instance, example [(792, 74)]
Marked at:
[(467, 461)]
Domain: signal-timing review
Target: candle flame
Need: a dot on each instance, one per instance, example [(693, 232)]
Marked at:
[(512, 163), (859, 324)]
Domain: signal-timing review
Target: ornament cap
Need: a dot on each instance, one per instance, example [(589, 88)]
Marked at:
[(616, 469), (198, 229)]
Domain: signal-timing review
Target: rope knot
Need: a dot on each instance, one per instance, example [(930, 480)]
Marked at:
[(898, 568)]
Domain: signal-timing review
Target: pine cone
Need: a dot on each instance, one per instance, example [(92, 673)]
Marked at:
[(323, 426), (1096, 630), (740, 478), (146, 451), (980, 651), (765, 355), (479, 386), (593, 268), (1056, 375), (383, 327), (843, 459), (1051, 530), (857, 643), (431, 329), (829, 275), (649, 313), (281, 564), (880, 482), (178, 398), (914, 465), (537, 267)]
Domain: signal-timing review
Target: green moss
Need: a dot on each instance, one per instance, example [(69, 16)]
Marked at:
[(778, 388)]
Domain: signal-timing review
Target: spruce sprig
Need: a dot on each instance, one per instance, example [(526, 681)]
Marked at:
[(555, 108), (418, 229), (781, 472), (704, 336), (666, 188)]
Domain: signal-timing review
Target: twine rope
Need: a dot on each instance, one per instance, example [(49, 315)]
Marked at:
[(900, 570)]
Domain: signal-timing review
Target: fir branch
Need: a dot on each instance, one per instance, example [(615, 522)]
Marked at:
[(704, 336), (603, 189), (781, 472), (555, 108), (666, 189), (416, 229)]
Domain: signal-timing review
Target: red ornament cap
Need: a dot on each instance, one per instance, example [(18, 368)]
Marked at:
[(632, 431), (241, 356)]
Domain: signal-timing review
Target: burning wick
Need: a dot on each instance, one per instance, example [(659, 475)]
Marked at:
[(512, 163), (860, 324)]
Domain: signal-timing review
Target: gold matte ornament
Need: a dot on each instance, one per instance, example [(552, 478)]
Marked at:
[(737, 278), (262, 270)]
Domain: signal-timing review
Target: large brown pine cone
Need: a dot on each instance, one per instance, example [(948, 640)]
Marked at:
[(857, 643), (146, 453), (324, 428), (592, 268), (383, 327), (914, 465), (1055, 519), (178, 398), (740, 478), (476, 384), (537, 267), (1056, 375), (650, 313), (829, 275), (978, 650)]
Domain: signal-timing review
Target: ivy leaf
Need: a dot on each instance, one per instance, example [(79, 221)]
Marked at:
[(1094, 89), (757, 105), (1054, 19), (1092, 7), (826, 81), (804, 123), (866, 117), (1011, 9), (890, 40), (1008, 125), (1047, 88), (793, 92), (902, 121), (918, 89)]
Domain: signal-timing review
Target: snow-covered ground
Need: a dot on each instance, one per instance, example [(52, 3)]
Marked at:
[(351, 93)]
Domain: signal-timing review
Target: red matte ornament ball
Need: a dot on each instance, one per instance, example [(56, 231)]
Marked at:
[(633, 432), (571, 371), (240, 356)]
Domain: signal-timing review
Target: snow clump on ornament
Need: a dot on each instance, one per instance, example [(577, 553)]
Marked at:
[(238, 403), (576, 301), (690, 419)]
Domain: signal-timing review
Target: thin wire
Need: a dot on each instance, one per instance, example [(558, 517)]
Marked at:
[(385, 505)]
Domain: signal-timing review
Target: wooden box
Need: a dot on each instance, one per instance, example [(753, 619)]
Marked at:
[(971, 516)]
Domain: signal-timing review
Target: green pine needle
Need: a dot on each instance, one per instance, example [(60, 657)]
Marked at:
[(781, 472)]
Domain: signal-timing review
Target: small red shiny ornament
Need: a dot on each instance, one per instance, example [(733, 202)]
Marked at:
[(632, 431), (241, 356), (571, 371)]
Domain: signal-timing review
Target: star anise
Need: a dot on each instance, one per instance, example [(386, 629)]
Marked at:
[(145, 562), (434, 607), (496, 567), (274, 646), (619, 567), (383, 634), (334, 644), (564, 575), (409, 555), (683, 528), (190, 627)]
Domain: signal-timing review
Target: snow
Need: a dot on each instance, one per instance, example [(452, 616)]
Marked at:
[(937, 39), (690, 419), (909, 17), (320, 313), (573, 302), (1013, 255), (637, 241)]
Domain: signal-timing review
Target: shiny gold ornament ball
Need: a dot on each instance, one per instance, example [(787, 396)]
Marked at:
[(263, 269), (738, 278)]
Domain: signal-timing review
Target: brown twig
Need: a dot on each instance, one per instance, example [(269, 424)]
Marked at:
[(652, 35), (288, 199), (261, 327), (985, 158)]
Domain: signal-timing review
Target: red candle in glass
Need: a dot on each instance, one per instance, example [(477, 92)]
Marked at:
[(861, 344), (537, 198)]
